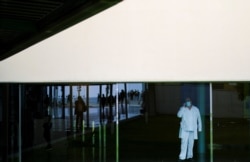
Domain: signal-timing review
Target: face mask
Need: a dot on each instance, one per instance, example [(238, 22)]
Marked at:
[(188, 103)]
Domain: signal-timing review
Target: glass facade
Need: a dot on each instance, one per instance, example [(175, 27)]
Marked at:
[(122, 122)]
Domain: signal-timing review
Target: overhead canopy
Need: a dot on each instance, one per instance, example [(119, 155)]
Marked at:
[(144, 40), (24, 23)]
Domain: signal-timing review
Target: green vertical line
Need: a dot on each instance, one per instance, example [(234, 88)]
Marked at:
[(100, 142), (83, 131), (104, 135), (211, 138), (73, 129), (117, 142), (93, 139), (104, 142), (211, 123), (93, 132)]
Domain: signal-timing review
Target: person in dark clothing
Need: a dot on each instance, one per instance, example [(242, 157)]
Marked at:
[(46, 104), (47, 132), (122, 97), (80, 108), (103, 104)]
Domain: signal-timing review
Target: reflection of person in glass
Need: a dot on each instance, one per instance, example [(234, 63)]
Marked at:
[(47, 132), (189, 126), (80, 107)]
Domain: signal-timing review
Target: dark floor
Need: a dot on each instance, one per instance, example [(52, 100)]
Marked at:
[(153, 141)]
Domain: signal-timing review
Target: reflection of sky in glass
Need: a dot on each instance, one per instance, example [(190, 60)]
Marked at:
[(94, 89)]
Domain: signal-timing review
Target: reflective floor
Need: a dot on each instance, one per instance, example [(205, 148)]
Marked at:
[(143, 140)]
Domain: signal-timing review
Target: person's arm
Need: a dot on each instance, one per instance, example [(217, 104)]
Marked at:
[(180, 112), (199, 122)]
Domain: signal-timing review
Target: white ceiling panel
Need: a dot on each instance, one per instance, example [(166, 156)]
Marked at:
[(144, 40)]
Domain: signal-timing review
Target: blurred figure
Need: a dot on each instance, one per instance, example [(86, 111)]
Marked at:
[(80, 107), (103, 104), (47, 132), (122, 96), (46, 104)]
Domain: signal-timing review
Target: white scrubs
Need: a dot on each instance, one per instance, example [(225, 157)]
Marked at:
[(190, 124)]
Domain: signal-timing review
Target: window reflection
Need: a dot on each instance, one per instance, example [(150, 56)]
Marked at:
[(148, 126)]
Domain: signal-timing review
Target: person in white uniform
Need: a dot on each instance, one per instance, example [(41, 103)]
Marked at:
[(189, 126)]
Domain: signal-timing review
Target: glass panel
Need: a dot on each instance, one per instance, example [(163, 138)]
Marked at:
[(151, 135), (134, 92), (94, 107), (231, 122)]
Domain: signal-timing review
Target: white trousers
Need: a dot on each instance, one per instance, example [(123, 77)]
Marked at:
[(187, 144)]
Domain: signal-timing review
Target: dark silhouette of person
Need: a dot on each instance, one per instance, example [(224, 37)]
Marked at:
[(47, 132), (111, 101), (144, 97), (103, 103), (46, 104), (80, 107), (69, 97), (122, 96)]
